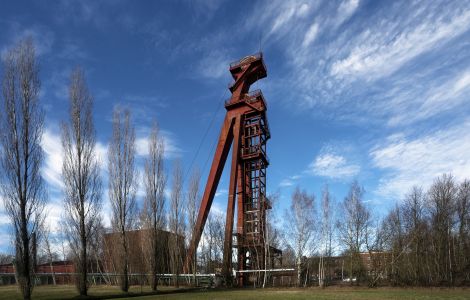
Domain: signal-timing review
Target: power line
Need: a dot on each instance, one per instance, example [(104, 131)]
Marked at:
[(205, 135)]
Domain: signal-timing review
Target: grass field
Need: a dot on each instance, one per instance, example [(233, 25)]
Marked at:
[(106, 292)]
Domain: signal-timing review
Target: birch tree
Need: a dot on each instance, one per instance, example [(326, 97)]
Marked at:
[(441, 197), (463, 216), (300, 225), (353, 225), (326, 234)]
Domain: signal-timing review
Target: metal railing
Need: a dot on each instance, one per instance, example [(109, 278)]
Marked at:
[(246, 60), (249, 97)]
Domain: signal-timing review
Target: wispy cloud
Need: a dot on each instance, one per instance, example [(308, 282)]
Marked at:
[(331, 162), (42, 36), (289, 181), (333, 166), (53, 160), (381, 51), (345, 10), (221, 193), (4, 219), (418, 161), (213, 64), (437, 97), (310, 35), (375, 68), (52, 169), (172, 150)]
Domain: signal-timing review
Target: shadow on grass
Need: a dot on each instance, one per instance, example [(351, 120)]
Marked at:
[(138, 294)]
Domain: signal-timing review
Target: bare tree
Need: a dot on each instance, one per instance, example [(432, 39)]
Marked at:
[(48, 249), (176, 221), (463, 215), (414, 225), (97, 250), (442, 196), (213, 241), (21, 127), (353, 225), (154, 203), (300, 225), (326, 234), (271, 235), (122, 186), (81, 176), (193, 203)]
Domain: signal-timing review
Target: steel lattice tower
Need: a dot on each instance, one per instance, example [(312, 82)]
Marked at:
[(245, 125)]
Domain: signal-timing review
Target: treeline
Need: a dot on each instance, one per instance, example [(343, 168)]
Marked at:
[(423, 241), (427, 236)]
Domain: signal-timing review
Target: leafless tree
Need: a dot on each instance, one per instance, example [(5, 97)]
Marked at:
[(48, 249), (300, 220), (154, 202), (21, 127), (97, 250), (272, 235), (6, 258), (353, 225), (122, 186), (81, 176), (441, 197), (177, 221), (463, 215), (414, 227), (212, 241), (326, 234), (193, 203)]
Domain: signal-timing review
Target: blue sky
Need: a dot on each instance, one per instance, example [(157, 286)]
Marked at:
[(377, 91)]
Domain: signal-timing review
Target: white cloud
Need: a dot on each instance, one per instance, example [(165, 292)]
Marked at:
[(303, 9), (213, 64), (5, 240), (4, 218), (53, 160), (310, 35), (52, 169), (289, 181), (331, 165), (171, 148), (43, 38), (345, 10), (278, 19), (284, 17), (438, 98), (286, 183), (381, 51), (420, 160), (221, 192), (55, 214)]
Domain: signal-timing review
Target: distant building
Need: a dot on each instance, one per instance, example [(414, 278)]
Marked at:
[(64, 271)]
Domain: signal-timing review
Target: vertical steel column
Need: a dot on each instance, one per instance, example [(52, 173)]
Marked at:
[(242, 105)]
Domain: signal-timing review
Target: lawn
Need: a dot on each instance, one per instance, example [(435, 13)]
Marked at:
[(106, 292)]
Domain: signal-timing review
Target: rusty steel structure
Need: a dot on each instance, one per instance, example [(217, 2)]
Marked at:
[(245, 125)]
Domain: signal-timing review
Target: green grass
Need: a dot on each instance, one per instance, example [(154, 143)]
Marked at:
[(107, 292), (57, 292)]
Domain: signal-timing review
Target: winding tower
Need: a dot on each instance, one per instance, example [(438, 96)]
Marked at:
[(245, 125)]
